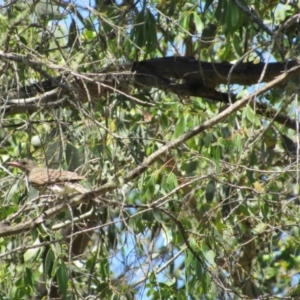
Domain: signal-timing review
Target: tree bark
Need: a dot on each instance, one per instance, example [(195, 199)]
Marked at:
[(184, 76)]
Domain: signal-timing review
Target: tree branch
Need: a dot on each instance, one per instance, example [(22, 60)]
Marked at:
[(7, 230)]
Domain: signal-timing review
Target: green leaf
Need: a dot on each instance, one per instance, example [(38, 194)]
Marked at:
[(233, 14), (208, 254), (270, 273), (144, 31), (204, 283), (198, 22), (270, 156), (62, 279), (49, 261), (54, 153), (185, 21), (210, 191), (265, 211), (180, 127), (73, 35), (189, 258), (151, 32), (208, 139), (288, 145), (249, 113), (217, 157), (28, 277), (253, 158), (204, 208), (198, 269), (32, 254), (237, 46), (157, 216), (74, 157), (219, 10), (172, 181), (23, 40), (46, 9)]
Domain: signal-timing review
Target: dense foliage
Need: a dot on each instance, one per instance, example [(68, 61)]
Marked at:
[(213, 216)]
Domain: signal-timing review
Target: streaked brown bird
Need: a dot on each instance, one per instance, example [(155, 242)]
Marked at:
[(62, 183), (58, 181)]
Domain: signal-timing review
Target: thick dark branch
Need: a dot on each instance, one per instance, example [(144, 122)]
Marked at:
[(7, 230), (193, 71), (183, 76), (186, 76)]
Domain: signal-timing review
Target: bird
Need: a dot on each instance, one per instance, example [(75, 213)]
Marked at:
[(60, 182), (63, 184)]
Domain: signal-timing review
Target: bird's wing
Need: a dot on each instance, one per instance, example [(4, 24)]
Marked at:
[(67, 188), (52, 176)]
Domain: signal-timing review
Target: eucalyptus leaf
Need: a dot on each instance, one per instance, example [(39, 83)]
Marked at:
[(210, 191)]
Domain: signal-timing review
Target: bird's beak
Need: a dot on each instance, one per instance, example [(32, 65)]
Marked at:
[(14, 164)]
